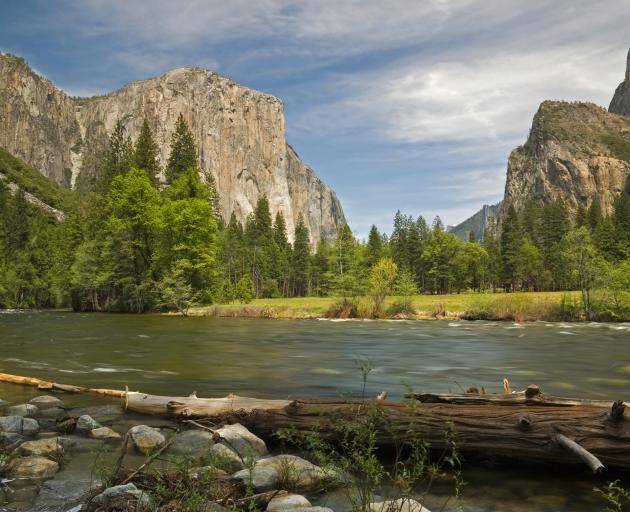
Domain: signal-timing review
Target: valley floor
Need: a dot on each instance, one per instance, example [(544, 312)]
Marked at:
[(521, 306)]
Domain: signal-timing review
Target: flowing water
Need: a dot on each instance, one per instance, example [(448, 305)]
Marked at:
[(301, 358)]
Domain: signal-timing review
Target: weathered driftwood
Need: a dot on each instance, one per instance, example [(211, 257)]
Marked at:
[(45, 385), (522, 431), (527, 426)]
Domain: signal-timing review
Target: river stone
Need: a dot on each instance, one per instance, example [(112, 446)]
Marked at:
[(208, 473), (296, 473), (146, 439), (46, 402), (50, 448), (261, 478), (192, 442), (225, 458), (33, 467), (104, 433), (287, 502), (242, 440), (24, 410), (60, 495), (10, 440), (121, 497), (100, 413), (400, 505), (19, 425), (52, 413), (86, 424)]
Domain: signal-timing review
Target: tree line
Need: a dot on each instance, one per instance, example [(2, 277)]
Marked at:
[(149, 238)]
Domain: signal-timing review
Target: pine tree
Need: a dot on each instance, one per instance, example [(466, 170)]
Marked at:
[(374, 247), (594, 214), (146, 152), (282, 260), (118, 159), (581, 216), (183, 151), (511, 240), (320, 269), (301, 258)]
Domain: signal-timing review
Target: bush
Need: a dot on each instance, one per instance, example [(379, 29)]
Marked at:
[(401, 307), (344, 308)]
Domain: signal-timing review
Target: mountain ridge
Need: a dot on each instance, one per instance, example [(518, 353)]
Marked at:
[(239, 131)]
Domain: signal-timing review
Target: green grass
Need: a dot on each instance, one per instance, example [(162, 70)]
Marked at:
[(29, 180), (492, 306)]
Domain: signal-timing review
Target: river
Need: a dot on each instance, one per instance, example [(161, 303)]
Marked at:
[(301, 358)]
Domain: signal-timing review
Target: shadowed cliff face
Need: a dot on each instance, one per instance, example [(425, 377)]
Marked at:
[(620, 103), (575, 152), (239, 132)]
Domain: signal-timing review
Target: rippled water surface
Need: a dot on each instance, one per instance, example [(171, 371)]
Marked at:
[(299, 358)]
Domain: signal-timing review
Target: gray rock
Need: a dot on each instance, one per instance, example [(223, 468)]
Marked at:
[(19, 425), (33, 467), (400, 505), (10, 440), (192, 442), (121, 497), (52, 413), (62, 495), (261, 478), (85, 424), (104, 433), (207, 472), (50, 448), (242, 440), (146, 439), (100, 413), (288, 502), (24, 410), (46, 402), (297, 473), (225, 458)]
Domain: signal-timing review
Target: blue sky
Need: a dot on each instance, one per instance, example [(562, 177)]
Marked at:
[(401, 104)]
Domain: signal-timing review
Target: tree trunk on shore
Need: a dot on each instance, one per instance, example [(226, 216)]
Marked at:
[(525, 427), (509, 427)]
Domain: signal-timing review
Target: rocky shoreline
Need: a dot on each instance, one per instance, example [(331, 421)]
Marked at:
[(59, 459)]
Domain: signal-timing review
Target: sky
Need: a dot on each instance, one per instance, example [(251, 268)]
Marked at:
[(410, 105)]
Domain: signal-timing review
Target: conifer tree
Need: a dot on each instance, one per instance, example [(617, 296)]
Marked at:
[(146, 152), (301, 257), (594, 214), (183, 151), (374, 247), (511, 240), (119, 157)]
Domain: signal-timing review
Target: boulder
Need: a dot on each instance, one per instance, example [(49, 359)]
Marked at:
[(146, 439), (19, 425), (297, 473), (46, 402), (287, 502), (24, 410), (261, 478), (192, 442), (52, 413), (121, 497), (85, 424), (60, 495), (104, 433), (50, 448), (242, 440), (225, 458), (33, 467), (10, 440), (399, 505)]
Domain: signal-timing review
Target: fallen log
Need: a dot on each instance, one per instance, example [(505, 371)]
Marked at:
[(45, 385), (515, 426)]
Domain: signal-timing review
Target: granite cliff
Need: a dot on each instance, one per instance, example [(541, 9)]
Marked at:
[(239, 131), (620, 103)]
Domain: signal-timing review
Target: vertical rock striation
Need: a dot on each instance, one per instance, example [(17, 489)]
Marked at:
[(240, 135)]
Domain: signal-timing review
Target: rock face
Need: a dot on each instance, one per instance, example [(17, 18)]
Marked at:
[(574, 153), (477, 223), (620, 103), (239, 132)]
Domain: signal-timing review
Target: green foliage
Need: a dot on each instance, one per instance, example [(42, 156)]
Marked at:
[(615, 496), (618, 145), (382, 278), (146, 152), (183, 153), (301, 258), (244, 290), (118, 159)]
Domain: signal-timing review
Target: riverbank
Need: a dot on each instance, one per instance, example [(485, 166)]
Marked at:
[(515, 307)]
